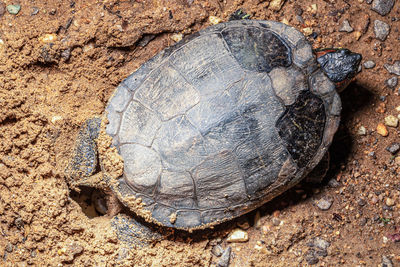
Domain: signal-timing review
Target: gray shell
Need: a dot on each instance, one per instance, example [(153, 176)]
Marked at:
[(222, 122)]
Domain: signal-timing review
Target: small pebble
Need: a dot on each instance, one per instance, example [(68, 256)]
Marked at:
[(362, 130), (361, 202), (394, 68), (368, 2), (217, 250), (66, 54), (311, 258), (381, 30), (321, 243), (346, 26), (357, 35), (391, 121), (386, 262), (276, 221), (238, 235), (382, 7), (369, 64), (214, 20), (324, 203), (225, 258), (392, 82), (19, 223), (35, 11), (393, 148), (397, 160), (9, 247), (398, 108), (276, 5), (177, 37), (389, 202), (382, 130), (307, 31), (13, 9), (48, 38)]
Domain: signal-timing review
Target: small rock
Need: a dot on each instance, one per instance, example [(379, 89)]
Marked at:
[(368, 2), (346, 26), (238, 235), (13, 9), (35, 11), (311, 258), (48, 38), (177, 37), (381, 30), (2, 9), (386, 262), (19, 223), (391, 121), (393, 148), (357, 35), (225, 258), (307, 31), (321, 243), (389, 202), (369, 64), (217, 250), (397, 160), (398, 108), (66, 54), (71, 252), (392, 82), (214, 20), (382, 130), (9, 247), (324, 203), (333, 183), (276, 221), (361, 202), (393, 69), (382, 7), (362, 130), (98, 198), (276, 5)]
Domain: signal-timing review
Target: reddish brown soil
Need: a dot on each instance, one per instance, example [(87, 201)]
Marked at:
[(46, 95)]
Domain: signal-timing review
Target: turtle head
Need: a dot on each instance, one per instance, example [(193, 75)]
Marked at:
[(339, 64)]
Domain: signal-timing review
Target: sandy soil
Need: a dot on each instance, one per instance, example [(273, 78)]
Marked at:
[(61, 60)]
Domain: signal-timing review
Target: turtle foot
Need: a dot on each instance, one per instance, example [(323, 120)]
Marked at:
[(132, 233)]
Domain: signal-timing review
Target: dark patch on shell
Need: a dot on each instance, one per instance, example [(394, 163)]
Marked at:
[(302, 126), (257, 49)]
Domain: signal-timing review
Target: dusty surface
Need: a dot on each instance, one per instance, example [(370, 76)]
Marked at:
[(61, 60)]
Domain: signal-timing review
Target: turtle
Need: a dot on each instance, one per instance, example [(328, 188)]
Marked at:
[(217, 124)]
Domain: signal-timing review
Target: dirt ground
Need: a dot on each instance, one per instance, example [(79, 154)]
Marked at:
[(60, 62)]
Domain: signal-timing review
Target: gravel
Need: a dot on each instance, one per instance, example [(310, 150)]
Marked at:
[(324, 203), (393, 148), (13, 9), (311, 257), (392, 82), (369, 64), (225, 258), (382, 7), (394, 68), (381, 30), (346, 26), (217, 250), (386, 262)]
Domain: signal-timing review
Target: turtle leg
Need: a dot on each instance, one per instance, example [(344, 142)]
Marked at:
[(84, 163), (318, 173), (84, 170), (131, 232), (239, 14)]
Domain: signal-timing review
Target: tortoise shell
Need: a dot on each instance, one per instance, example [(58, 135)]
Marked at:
[(221, 122)]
